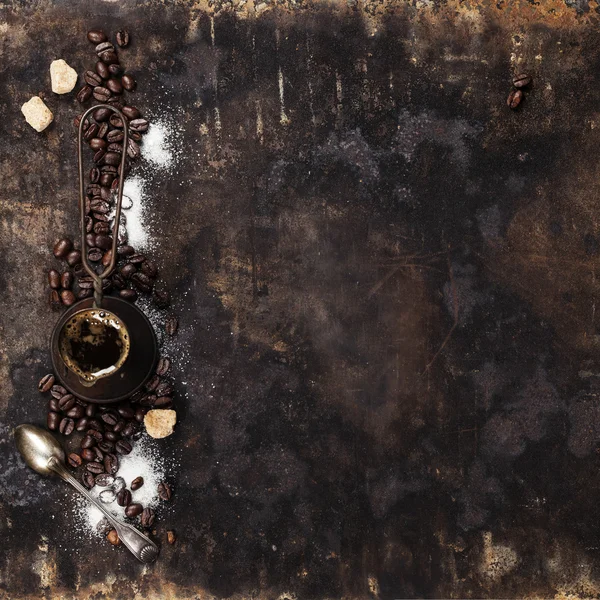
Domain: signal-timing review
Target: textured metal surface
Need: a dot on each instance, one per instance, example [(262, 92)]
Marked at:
[(387, 286)]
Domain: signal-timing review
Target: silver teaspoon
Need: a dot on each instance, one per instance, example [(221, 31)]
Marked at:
[(43, 454)]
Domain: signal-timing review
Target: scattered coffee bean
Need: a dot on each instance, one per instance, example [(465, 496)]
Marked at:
[(148, 400), (108, 57), (140, 125), (53, 405), (90, 410), (171, 537), (62, 247), (101, 93), (128, 294), (96, 36), (522, 80), (110, 418), (113, 537), (137, 483), (97, 435), (94, 255), (164, 491), (128, 82), (123, 38), (119, 484), (84, 94), (126, 412), (98, 144), (106, 446), (76, 412), (66, 280), (67, 297), (74, 460), (163, 402), (131, 112), (123, 447), (54, 279), (114, 85), (130, 429), (111, 436), (93, 79), (74, 258), (112, 158), (102, 114), (95, 467), (82, 424), (115, 69), (88, 454), (52, 421), (514, 99), (104, 479), (124, 497), (164, 389), (162, 298), (133, 149), (119, 426), (102, 71), (58, 391), (164, 364), (104, 241), (46, 383), (88, 479), (171, 325), (66, 426), (54, 300), (67, 402), (140, 413), (106, 496), (104, 46), (111, 463), (147, 518), (133, 510), (88, 441)]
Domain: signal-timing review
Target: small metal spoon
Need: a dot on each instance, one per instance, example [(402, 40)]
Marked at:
[(44, 454)]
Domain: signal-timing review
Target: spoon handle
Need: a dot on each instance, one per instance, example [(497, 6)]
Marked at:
[(142, 547)]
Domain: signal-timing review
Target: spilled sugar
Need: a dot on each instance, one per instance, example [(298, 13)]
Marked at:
[(145, 460)]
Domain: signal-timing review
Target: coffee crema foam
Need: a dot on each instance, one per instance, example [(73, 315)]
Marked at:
[(94, 343)]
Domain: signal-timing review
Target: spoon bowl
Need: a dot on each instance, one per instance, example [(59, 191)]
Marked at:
[(37, 447)]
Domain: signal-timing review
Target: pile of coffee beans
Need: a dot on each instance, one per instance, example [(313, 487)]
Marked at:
[(520, 81), (106, 432)]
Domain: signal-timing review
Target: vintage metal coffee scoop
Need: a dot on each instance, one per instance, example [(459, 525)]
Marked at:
[(43, 454), (141, 354)]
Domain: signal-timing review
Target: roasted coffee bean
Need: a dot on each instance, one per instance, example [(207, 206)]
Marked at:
[(125, 251), (104, 241), (92, 78), (106, 446), (62, 247), (102, 130), (74, 460), (101, 93), (522, 80), (90, 410), (123, 446), (101, 227), (89, 224), (514, 99), (112, 158), (164, 389), (94, 255), (46, 383), (171, 325), (153, 383), (136, 136), (171, 537), (128, 270), (96, 36), (164, 491), (164, 364), (84, 94), (90, 240), (119, 426), (128, 82), (110, 418), (124, 497), (128, 294), (54, 279), (162, 298), (107, 258), (74, 258), (94, 174), (126, 412), (140, 125), (114, 85), (148, 400), (137, 483), (77, 122), (142, 282), (115, 69), (101, 217), (88, 454), (123, 38), (130, 429), (102, 71), (111, 436), (95, 467), (107, 496), (113, 537), (96, 424), (104, 46), (140, 413), (102, 114), (115, 147), (94, 433), (93, 189), (99, 454), (76, 412), (66, 426), (88, 441), (67, 402), (100, 206), (118, 281), (163, 402), (97, 144), (67, 297), (133, 149), (116, 121), (58, 391), (115, 135), (86, 282), (91, 132), (147, 518), (88, 479), (54, 300), (53, 405), (137, 258), (104, 479), (82, 424), (133, 510), (108, 57), (52, 421), (66, 280), (83, 294), (131, 112)]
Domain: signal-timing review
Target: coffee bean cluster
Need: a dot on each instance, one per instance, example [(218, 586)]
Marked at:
[(105, 434), (520, 82)]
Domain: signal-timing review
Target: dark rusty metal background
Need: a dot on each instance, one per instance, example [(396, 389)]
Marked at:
[(387, 286)]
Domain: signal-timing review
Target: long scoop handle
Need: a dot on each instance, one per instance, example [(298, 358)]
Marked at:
[(142, 547)]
